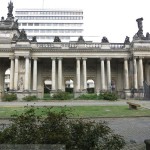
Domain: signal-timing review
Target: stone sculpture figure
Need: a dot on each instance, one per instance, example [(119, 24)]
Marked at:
[(15, 37), (139, 35), (34, 39), (147, 36), (105, 40), (10, 10), (20, 84), (57, 39), (80, 39), (127, 40), (23, 35)]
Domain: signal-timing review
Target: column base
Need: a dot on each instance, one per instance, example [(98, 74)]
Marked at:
[(127, 93)]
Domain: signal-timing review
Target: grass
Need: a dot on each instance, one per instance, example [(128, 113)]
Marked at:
[(81, 111)]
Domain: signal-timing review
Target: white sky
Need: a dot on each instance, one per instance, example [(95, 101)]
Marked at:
[(114, 19)]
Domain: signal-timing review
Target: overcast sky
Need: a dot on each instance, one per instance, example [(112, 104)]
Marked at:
[(114, 19)]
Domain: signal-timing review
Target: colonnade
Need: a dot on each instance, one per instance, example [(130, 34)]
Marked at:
[(105, 75)]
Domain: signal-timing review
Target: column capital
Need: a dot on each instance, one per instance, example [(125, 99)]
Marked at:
[(78, 58), (16, 57), (27, 57), (35, 58), (141, 57), (59, 58), (108, 58), (84, 58), (102, 58), (126, 58), (53, 58), (11, 57)]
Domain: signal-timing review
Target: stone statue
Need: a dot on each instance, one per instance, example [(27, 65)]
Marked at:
[(139, 35), (80, 39), (57, 39), (127, 40), (147, 36), (23, 35), (105, 40), (15, 37), (34, 39), (10, 10), (20, 84)]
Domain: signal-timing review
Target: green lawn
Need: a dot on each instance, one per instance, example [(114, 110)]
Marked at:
[(82, 111)]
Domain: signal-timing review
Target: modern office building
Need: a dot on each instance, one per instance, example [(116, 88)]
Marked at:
[(45, 24)]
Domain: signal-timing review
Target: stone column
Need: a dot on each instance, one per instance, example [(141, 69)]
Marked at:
[(16, 73), (108, 74), (84, 74), (126, 74), (78, 74), (102, 73), (53, 74), (141, 73), (12, 73), (135, 73), (59, 73), (35, 74), (26, 82)]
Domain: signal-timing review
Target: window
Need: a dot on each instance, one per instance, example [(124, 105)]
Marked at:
[(24, 24)]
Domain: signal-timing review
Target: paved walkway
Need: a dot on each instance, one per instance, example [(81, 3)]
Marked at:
[(145, 104)]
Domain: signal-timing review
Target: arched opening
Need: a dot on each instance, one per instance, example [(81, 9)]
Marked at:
[(47, 86), (7, 80), (90, 86), (69, 86)]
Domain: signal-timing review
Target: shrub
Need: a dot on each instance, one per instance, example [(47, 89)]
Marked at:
[(56, 128), (62, 96), (112, 96), (87, 97), (9, 97), (30, 98)]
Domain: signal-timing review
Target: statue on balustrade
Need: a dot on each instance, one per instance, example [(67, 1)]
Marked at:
[(34, 39), (80, 39), (105, 40), (57, 39), (10, 10), (23, 35), (15, 37), (127, 40), (147, 36), (139, 35)]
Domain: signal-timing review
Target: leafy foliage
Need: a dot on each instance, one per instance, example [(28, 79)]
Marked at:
[(62, 96), (30, 98), (56, 128), (9, 97)]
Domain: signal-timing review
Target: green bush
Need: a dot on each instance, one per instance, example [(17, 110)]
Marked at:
[(112, 96), (30, 98), (9, 97), (56, 128), (62, 96), (87, 97)]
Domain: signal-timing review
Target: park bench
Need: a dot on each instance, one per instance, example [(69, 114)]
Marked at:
[(133, 105)]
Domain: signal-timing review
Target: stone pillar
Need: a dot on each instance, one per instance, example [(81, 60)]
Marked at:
[(102, 73), (35, 74), (59, 73), (135, 73), (16, 73), (12, 73), (141, 73), (126, 75), (84, 74), (108, 74), (53, 74), (26, 82), (78, 74)]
